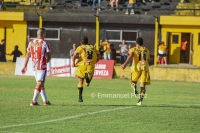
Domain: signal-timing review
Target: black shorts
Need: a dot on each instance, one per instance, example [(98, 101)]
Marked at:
[(162, 55)]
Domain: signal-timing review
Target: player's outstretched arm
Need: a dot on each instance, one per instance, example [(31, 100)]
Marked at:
[(74, 59), (123, 66), (24, 69)]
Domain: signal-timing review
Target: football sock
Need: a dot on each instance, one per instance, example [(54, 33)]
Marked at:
[(43, 94), (80, 92), (134, 87), (36, 94), (142, 94)]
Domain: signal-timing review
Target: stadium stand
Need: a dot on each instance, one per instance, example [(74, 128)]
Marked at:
[(164, 7), (158, 7)]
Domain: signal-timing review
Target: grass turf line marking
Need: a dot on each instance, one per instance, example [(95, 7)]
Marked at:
[(67, 118), (12, 132)]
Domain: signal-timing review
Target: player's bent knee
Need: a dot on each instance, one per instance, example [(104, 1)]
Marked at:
[(88, 77)]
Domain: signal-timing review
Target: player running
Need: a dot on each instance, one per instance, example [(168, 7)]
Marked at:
[(88, 57), (139, 68), (39, 50)]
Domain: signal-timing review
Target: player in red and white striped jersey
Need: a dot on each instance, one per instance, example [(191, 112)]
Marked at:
[(39, 50)]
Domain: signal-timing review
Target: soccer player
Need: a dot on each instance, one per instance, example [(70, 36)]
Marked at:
[(88, 57), (139, 68), (39, 50)]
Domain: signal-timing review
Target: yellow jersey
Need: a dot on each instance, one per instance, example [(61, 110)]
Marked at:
[(141, 56), (132, 1), (106, 47), (162, 47), (87, 55)]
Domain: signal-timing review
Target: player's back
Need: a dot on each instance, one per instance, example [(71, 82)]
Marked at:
[(38, 49), (141, 56), (88, 54)]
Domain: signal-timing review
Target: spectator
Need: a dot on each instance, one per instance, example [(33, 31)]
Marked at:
[(130, 7), (101, 50), (35, 3), (71, 52), (2, 51), (112, 4), (16, 53), (41, 1), (162, 53), (183, 50), (112, 52), (123, 51), (96, 3), (1, 4), (106, 47)]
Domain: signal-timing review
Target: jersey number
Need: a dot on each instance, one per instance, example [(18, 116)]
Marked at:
[(35, 52), (89, 54), (142, 56)]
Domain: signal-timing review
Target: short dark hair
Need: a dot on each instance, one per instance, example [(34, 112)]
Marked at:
[(139, 41), (16, 47), (84, 40)]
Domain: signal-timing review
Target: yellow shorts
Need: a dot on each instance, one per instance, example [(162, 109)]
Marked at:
[(143, 75), (82, 69)]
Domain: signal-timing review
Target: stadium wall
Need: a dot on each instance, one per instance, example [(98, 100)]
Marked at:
[(156, 73)]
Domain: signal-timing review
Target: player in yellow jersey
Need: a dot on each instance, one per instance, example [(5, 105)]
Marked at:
[(140, 67), (88, 57)]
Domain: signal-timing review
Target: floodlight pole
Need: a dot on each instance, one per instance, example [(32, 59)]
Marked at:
[(156, 41), (97, 28), (40, 21), (40, 17)]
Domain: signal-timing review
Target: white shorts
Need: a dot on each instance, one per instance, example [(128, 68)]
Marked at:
[(40, 75)]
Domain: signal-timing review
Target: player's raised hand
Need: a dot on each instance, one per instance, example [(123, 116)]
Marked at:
[(24, 70)]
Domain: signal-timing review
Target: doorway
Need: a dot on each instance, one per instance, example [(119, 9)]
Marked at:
[(176, 54), (185, 54)]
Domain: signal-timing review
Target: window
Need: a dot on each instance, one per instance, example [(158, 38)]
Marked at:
[(119, 35), (199, 39), (51, 33), (175, 39), (113, 35), (129, 36)]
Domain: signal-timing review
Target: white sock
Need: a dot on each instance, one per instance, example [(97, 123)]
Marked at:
[(43, 94), (36, 95)]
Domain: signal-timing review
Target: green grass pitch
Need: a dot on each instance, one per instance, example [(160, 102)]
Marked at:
[(108, 107)]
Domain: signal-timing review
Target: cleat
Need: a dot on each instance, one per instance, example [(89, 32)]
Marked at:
[(80, 100), (139, 103), (87, 84), (34, 103), (126, 13), (47, 103), (132, 13)]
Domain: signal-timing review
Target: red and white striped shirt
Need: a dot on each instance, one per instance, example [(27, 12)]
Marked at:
[(38, 49)]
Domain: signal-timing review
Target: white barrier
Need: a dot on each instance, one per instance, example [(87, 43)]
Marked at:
[(56, 67)]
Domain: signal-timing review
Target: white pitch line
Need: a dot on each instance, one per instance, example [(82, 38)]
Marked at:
[(66, 118), (12, 132)]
